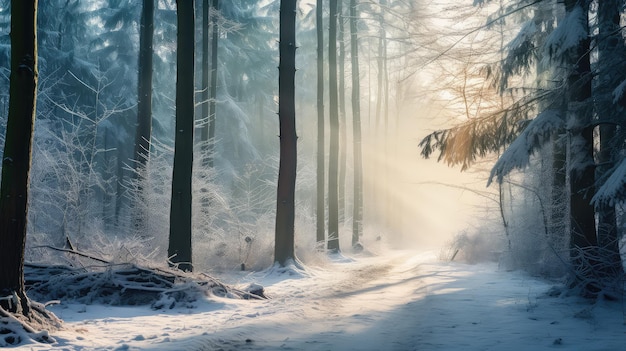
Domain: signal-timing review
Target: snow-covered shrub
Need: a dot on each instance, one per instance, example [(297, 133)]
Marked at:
[(149, 194), (536, 243), (236, 230), (76, 149), (480, 246)]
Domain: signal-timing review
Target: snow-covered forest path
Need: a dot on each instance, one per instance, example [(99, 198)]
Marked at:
[(400, 301)]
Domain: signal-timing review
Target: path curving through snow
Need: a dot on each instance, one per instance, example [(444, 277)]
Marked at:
[(399, 301)]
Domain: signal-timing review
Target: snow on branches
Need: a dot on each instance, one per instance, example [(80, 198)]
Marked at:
[(619, 93), (520, 53), (566, 37), (614, 188), (517, 155)]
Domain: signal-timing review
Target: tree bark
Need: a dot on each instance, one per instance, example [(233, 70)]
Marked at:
[(209, 92), (379, 170), (320, 208), (206, 77), (143, 131), (380, 69), (16, 161), (285, 203), (357, 210), (610, 56), (179, 250), (583, 239), (558, 222), (333, 160), (386, 196), (144, 100), (343, 126)]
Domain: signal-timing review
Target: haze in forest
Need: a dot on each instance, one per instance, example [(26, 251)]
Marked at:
[(183, 139), (412, 56), (420, 72), (87, 103)]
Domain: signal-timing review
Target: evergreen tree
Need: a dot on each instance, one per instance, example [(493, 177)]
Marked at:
[(594, 254), (583, 235)]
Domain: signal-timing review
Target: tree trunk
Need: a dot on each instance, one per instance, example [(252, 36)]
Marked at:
[(179, 250), (379, 193), (209, 93), (144, 100), (558, 220), (285, 202), (379, 73), (608, 235), (333, 160), (386, 198), (357, 210), (343, 131), (320, 208), (143, 132), (206, 77), (610, 55), (16, 161), (583, 239)]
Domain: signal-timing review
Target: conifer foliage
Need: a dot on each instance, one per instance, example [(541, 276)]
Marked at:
[(563, 84)]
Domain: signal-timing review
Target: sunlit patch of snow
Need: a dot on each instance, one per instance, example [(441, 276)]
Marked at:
[(339, 257), (292, 269), (447, 291)]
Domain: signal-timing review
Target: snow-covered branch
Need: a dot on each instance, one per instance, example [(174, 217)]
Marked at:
[(517, 155), (614, 188)]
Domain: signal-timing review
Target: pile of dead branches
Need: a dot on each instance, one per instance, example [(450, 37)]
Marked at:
[(104, 282), (126, 284)]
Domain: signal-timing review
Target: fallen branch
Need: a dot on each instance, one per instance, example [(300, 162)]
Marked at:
[(74, 252)]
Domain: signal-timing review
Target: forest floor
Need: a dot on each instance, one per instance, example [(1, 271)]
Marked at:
[(401, 300)]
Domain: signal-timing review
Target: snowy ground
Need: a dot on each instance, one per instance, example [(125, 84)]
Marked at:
[(399, 301)]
